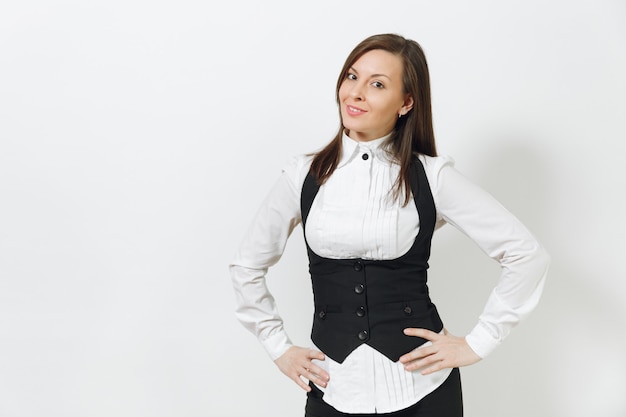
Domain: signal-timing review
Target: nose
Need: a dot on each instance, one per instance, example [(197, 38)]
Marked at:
[(357, 91)]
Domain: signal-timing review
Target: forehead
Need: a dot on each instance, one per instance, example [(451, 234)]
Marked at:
[(379, 61)]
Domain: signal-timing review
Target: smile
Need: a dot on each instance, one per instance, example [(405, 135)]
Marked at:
[(354, 111)]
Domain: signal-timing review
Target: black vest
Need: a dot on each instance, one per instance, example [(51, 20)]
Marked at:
[(371, 301)]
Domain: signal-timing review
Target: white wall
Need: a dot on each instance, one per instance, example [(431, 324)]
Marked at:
[(138, 137)]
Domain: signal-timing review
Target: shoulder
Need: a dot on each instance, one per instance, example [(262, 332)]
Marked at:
[(435, 166), (296, 169)]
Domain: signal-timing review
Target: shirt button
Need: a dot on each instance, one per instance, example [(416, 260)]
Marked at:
[(365, 157), (360, 312), (407, 310), (359, 288), (358, 266), (362, 335)]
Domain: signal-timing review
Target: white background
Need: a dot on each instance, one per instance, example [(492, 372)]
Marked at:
[(137, 139)]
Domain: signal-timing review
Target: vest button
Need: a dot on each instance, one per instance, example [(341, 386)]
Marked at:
[(360, 311), (407, 310), (362, 335), (322, 314), (358, 266), (359, 288)]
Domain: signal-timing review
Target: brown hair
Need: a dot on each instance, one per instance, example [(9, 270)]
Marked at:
[(413, 133)]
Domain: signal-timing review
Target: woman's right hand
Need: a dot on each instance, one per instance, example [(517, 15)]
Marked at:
[(297, 363)]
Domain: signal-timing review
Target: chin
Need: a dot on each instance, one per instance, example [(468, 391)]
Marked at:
[(352, 127)]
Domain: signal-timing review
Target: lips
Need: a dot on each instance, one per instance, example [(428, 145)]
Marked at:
[(354, 111)]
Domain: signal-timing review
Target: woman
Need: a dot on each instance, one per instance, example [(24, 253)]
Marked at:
[(369, 203)]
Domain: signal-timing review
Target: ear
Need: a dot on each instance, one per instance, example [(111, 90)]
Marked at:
[(408, 104)]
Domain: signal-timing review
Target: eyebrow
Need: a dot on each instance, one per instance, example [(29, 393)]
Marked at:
[(373, 75)]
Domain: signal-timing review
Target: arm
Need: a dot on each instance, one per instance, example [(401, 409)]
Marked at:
[(501, 236), (262, 247)]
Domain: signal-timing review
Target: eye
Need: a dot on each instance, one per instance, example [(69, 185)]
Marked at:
[(351, 76), (378, 84)]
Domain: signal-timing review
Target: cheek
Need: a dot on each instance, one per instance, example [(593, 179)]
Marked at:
[(392, 107), (385, 109), (342, 92)]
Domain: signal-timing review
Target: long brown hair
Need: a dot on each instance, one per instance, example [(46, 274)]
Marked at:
[(413, 133)]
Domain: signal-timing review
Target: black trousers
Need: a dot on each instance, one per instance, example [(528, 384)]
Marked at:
[(445, 401)]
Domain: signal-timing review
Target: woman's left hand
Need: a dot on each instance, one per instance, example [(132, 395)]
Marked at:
[(446, 351)]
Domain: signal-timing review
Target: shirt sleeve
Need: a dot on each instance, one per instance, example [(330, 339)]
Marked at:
[(500, 235), (262, 246)]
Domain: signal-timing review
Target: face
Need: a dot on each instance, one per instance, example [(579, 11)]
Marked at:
[(371, 96)]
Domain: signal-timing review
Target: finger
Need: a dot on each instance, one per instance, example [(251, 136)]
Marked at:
[(423, 333), (313, 377), (420, 363), (437, 366), (419, 353), (319, 372), (301, 383), (316, 354)]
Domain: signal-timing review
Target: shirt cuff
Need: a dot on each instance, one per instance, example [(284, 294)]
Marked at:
[(276, 344), (482, 341)]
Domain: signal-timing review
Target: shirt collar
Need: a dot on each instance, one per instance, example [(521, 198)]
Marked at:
[(352, 148)]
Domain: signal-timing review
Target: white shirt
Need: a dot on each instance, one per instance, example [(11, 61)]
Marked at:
[(354, 216)]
